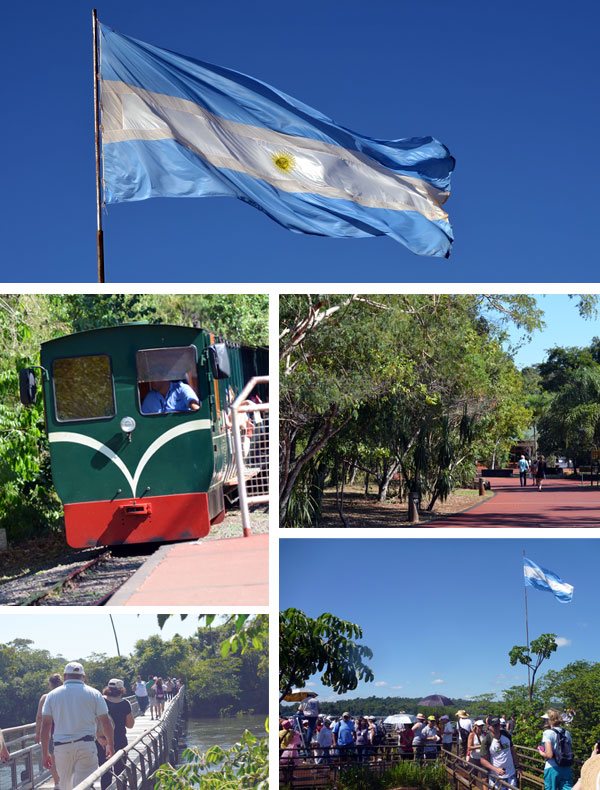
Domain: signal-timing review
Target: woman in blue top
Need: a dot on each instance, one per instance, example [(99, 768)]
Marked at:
[(556, 777)]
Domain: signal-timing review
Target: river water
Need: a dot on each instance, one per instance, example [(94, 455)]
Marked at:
[(204, 733)]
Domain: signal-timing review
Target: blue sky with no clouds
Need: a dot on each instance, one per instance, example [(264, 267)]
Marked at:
[(509, 87), (563, 327), (441, 615)]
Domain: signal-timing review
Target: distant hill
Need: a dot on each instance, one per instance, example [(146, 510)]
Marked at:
[(381, 706)]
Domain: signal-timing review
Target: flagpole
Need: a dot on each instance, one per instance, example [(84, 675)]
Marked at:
[(527, 628), (99, 232)]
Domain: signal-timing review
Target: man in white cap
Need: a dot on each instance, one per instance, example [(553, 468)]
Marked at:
[(75, 708)]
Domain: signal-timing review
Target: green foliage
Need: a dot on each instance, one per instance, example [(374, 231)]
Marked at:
[(28, 503), (539, 650), (214, 685), (405, 382), (243, 766), (404, 774), (325, 644)]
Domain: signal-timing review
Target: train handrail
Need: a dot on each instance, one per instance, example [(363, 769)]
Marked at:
[(236, 408)]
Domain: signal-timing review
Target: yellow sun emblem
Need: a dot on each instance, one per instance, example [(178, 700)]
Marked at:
[(283, 161)]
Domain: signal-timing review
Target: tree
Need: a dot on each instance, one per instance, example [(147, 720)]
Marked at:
[(433, 359), (533, 656), (325, 644)]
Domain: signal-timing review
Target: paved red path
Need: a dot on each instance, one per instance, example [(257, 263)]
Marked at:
[(560, 503), (228, 572)]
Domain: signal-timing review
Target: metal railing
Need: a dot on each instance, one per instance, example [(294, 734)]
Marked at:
[(24, 770), (316, 767), (250, 431), (139, 760)]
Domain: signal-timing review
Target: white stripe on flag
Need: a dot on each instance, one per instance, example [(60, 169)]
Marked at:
[(552, 584), (316, 167)]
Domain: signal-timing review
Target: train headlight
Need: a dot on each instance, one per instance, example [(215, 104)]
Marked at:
[(128, 426)]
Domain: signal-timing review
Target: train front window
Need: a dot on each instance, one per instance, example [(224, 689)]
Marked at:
[(83, 388), (167, 380)]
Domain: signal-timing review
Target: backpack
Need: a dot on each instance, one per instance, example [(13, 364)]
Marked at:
[(379, 736), (563, 750)]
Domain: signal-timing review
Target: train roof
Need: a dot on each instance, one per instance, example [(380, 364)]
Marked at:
[(135, 325)]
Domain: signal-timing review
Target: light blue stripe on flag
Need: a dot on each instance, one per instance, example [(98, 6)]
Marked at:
[(177, 127), (547, 581)]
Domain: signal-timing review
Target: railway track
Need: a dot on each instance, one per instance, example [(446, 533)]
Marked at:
[(78, 581)]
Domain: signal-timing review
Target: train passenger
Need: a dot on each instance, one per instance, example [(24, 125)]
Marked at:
[(170, 396)]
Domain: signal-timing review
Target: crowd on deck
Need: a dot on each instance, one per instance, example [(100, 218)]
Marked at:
[(80, 728), (485, 744)]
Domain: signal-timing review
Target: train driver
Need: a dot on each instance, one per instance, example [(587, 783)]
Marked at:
[(169, 396)]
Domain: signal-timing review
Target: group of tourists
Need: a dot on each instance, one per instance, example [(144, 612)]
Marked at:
[(80, 728), (536, 468), (152, 694), (485, 743)]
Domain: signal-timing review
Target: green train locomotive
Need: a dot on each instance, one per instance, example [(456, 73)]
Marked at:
[(126, 470)]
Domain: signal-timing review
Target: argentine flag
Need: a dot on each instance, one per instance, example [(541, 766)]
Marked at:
[(177, 127), (543, 579)]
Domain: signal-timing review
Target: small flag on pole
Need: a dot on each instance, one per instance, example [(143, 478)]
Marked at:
[(177, 127), (548, 581)]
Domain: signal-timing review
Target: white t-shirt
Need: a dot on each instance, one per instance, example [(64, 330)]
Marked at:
[(465, 724), (551, 737), (310, 708), (501, 755)]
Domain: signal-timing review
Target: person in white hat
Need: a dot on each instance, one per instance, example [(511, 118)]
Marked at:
[(76, 710), (119, 710)]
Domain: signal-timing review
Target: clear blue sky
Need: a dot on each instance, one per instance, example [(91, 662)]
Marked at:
[(564, 327), (80, 635), (441, 615), (510, 87)]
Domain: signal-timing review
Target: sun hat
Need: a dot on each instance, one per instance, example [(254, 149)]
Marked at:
[(479, 723), (463, 714), (421, 716), (74, 668), (115, 683)]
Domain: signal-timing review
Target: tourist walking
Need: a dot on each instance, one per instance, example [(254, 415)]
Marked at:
[(523, 469), (54, 681), (447, 732), (344, 735), (4, 753), (159, 687), (465, 725), (540, 472), (325, 741), (119, 710), (141, 695), (418, 741), (558, 751), (76, 710), (151, 689), (362, 739), (309, 709), (432, 737), (498, 756)]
